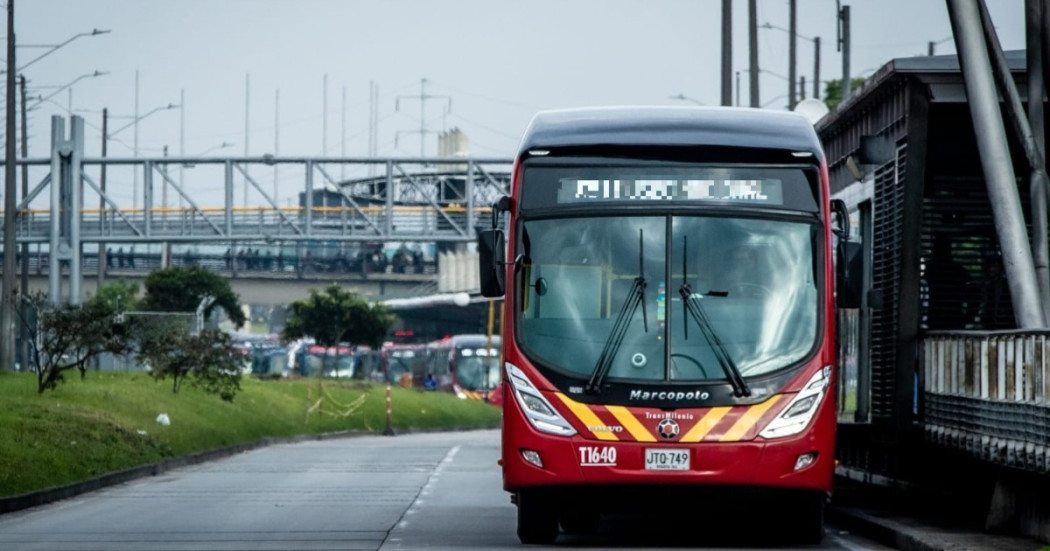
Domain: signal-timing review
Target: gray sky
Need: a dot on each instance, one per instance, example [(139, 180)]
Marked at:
[(499, 61)]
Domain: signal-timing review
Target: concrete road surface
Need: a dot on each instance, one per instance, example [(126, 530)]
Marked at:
[(417, 491)]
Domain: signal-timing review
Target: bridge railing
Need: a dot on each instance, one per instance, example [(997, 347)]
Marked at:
[(987, 394), (261, 223), (223, 199)]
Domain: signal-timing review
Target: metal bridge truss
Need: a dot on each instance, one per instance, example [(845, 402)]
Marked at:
[(384, 199), (334, 204)]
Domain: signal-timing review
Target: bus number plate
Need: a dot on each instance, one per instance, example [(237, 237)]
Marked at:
[(661, 459)]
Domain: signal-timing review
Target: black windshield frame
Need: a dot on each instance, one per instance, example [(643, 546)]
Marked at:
[(623, 391)]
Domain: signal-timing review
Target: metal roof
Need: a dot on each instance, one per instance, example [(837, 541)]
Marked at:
[(671, 126), (941, 74)]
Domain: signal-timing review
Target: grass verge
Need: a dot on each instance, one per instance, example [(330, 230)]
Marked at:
[(108, 421)]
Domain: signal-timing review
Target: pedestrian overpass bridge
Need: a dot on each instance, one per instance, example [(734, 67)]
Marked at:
[(379, 225)]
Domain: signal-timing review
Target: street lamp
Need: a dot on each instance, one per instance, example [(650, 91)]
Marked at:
[(774, 100), (54, 47), (683, 97), (59, 89), (816, 56), (931, 46), (134, 122), (223, 145), (135, 119)]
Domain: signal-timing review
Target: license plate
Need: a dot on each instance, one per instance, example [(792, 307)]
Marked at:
[(661, 459)]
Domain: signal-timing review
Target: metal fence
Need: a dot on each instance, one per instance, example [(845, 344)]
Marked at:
[(987, 394), (143, 325)]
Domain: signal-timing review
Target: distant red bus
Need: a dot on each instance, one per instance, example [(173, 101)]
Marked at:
[(669, 321)]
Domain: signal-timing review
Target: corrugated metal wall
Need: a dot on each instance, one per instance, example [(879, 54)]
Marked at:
[(888, 212)]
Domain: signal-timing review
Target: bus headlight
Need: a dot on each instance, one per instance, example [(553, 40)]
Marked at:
[(797, 415), (537, 409)]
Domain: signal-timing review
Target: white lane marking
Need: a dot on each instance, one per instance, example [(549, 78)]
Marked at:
[(426, 489)]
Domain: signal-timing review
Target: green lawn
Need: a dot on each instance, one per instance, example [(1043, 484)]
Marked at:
[(107, 422)]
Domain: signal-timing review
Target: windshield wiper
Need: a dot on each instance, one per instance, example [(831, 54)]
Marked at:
[(692, 308), (635, 296)]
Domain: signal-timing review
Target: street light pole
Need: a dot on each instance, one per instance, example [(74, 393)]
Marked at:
[(816, 55), (135, 122), (8, 300), (793, 26), (727, 52), (94, 32), (684, 97), (752, 51), (68, 86)]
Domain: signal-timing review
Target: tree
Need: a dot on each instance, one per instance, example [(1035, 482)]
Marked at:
[(119, 296), (68, 336), (208, 360), (833, 90), (334, 315), (181, 289)]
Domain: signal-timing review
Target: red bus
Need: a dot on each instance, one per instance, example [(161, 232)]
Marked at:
[(669, 329), (466, 365)]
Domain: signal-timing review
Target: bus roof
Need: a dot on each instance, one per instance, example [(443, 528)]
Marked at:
[(671, 126)]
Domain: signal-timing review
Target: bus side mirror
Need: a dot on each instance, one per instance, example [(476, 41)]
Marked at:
[(849, 260), (849, 274), (491, 259)]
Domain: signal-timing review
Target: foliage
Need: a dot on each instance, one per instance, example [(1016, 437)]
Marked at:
[(68, 336), (107, 422), (833, 90), (119, 296), (181, 289), (335, 316), (208, 360)]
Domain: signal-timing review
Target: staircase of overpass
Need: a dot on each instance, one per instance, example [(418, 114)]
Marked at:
[(349, 218)]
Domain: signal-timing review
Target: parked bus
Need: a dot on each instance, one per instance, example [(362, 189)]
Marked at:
[(669, 329), (403, 364), (467, 365)]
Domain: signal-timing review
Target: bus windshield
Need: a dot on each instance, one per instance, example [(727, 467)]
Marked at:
[(477, 369), (753, 281)]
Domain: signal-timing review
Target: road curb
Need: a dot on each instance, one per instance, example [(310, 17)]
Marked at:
[(882, 530), (58, 493)]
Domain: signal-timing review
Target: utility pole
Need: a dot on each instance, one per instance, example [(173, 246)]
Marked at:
[(816, 67), (342, 139), (103, 257), (135, 170), (737, 89), (422, 97), (247, 128), (752, 53), (276, 139), (727, 52), (844, 48), (182, 144), (7, 318), (324, 116), (792, 32), (23, 330)]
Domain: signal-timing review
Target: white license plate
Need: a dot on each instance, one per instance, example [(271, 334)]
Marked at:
[(661, 459)]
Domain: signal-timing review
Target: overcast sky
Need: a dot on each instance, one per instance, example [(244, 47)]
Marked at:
[(491, 63)]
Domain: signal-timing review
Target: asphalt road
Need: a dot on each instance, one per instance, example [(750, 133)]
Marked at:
[(432, 491)]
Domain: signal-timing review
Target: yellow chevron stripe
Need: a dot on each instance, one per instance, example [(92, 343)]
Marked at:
[(705, 424), (748, 420), (584, 414), (630, 422)]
